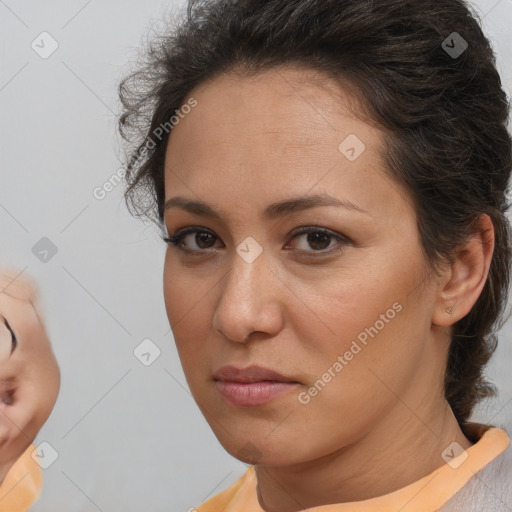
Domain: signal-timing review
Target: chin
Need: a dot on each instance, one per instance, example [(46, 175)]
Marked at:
[(260, 450)]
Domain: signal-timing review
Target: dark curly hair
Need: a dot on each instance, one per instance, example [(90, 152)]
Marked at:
[(440, 104)]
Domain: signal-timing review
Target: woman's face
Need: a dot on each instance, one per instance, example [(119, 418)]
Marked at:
[(343, 313)]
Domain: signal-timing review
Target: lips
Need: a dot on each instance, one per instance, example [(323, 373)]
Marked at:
[(249, 375), (253, 386)]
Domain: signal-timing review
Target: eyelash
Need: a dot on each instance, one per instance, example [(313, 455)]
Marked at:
[(177, 239), (14, 339)]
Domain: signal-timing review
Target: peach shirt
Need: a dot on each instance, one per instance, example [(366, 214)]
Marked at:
[(22, 484)]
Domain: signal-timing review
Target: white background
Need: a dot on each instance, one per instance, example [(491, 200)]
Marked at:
[(129, 437)]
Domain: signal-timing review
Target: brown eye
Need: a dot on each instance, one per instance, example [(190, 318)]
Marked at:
[(203, 239), (323, 241), (319, 240)]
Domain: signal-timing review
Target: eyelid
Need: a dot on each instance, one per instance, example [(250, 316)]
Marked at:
[(318, 229)]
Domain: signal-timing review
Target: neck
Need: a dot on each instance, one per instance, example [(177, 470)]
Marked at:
[(400, 450)]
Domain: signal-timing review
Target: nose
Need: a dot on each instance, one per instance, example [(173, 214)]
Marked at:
[(250, 301)]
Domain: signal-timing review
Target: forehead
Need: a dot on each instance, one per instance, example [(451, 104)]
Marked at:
[(285, 112), (278, 97), (279, 133)]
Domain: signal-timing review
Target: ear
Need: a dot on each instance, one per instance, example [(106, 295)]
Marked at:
[(466, 276)]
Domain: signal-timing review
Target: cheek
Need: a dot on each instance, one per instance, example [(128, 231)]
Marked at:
[(188, 305), (352, 384), (186, 287), (339, 309), (362, 328)]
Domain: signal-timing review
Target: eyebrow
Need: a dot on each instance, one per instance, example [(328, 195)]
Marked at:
[(272, 211)]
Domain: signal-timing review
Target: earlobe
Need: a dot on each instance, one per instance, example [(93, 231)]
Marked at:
[(466, 276)]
